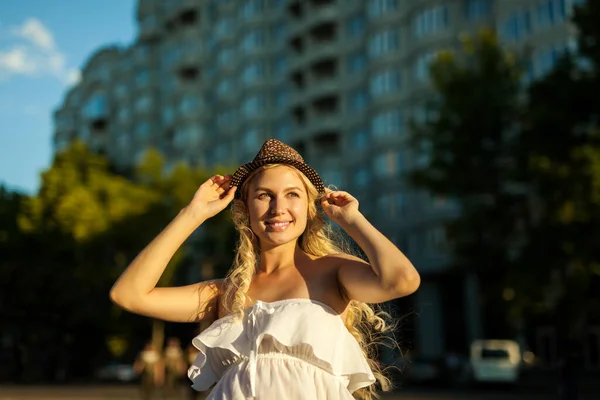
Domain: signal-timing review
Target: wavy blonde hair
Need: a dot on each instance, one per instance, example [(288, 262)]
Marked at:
[(365, 323)]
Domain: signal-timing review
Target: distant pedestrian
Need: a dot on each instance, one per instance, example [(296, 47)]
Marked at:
[(175, 368), (150, 367)]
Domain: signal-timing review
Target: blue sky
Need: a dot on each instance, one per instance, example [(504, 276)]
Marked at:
[(43, 45)]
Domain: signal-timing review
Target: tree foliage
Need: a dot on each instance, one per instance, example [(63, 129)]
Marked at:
[(67, 244), (469, 146), (524, 166)]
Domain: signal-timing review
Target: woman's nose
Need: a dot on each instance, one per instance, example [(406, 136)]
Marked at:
[(277, 206)]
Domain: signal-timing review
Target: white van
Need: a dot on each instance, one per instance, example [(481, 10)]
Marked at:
[(495, 361)]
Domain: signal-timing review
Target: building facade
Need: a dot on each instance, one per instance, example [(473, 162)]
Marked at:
[(206, 82)]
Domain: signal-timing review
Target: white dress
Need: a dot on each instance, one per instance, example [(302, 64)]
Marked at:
[(294, 349)]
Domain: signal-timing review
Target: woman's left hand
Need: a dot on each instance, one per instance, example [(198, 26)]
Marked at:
[(340, 206)]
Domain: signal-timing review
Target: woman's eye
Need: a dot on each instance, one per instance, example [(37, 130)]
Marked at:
[(294, 194), (263, 195)]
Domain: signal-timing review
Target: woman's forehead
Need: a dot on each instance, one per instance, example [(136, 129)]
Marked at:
[(278, 176)]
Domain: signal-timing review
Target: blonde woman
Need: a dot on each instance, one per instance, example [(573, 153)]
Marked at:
[(291, 319)]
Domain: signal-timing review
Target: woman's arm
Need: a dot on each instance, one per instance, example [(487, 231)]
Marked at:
[(136, 290), (388, 275)]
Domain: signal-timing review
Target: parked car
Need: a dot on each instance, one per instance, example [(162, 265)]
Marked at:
[(495, 361), (116, 372)]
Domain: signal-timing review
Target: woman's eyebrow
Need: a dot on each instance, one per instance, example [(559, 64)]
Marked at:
[(258, 189)]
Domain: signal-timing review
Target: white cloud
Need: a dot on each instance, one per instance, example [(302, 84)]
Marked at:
[(34, 31), (34, 54), (73, 76)]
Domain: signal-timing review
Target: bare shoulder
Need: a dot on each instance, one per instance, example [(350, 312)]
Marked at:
[(333, 290), (344, 259)]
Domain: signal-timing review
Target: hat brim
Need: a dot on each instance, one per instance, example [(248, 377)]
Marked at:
[(241, 174)]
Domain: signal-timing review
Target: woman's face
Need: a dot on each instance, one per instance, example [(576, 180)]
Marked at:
[(278, 206)]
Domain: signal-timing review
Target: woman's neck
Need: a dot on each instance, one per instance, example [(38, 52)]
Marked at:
[(280, 257)]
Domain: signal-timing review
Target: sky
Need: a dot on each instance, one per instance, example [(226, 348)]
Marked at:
[(43, 46)]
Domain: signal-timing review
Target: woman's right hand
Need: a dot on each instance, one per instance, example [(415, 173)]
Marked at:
[(212, 197)]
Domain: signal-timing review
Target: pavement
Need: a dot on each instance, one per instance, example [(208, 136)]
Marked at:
[(123, 392)]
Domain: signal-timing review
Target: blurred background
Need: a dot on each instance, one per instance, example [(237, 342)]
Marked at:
[(469, 130)]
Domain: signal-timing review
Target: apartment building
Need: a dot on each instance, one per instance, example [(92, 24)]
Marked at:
[(206, 82)]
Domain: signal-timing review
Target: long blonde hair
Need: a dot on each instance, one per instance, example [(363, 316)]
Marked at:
[(364, 323)]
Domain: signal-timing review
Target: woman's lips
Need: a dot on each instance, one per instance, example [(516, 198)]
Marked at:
[(277, 226)]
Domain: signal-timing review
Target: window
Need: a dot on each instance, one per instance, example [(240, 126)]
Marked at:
[(422, 66), (252, 8), (121, 91), (143, 104), (123, 141), (253, 105), (188, 105), (478, 9), (253, 40), (253, 72), (436, 238), (142, 52), (224, 27), (356, 26), (168, 115), (431, 20), (379, 7), (251, 139), (517, 26), (357, 62), (123, 115), (387, 164), (279, 32), (142, 130), (142, 78), (187, 136), (385, 82), (550, 12), (220, 153), (383, 42), (225, 87), (545, 59), (331, 177), (360, 139), (149, 23), (282, 99), (387, 124), (65, 122), (281, 67), (96, 107), (361, 177), (226, 118), (392, 204), (225, 57), (358, 100), (283, 132)]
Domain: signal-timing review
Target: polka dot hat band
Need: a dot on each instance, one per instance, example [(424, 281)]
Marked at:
[(275, 152)]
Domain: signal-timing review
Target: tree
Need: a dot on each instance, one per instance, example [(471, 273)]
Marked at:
[(469, 148), (560, 155), (72, 240)]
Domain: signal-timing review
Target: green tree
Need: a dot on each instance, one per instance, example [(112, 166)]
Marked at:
[(560, 156), (75, 236), (468, 147)]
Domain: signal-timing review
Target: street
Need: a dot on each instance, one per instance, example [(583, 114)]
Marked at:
[(130, 393)]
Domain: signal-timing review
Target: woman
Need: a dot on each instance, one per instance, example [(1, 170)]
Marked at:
[(291, 316)]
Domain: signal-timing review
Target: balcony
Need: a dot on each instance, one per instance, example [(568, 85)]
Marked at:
[(321, 51), (322, 87), (323, 12)]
